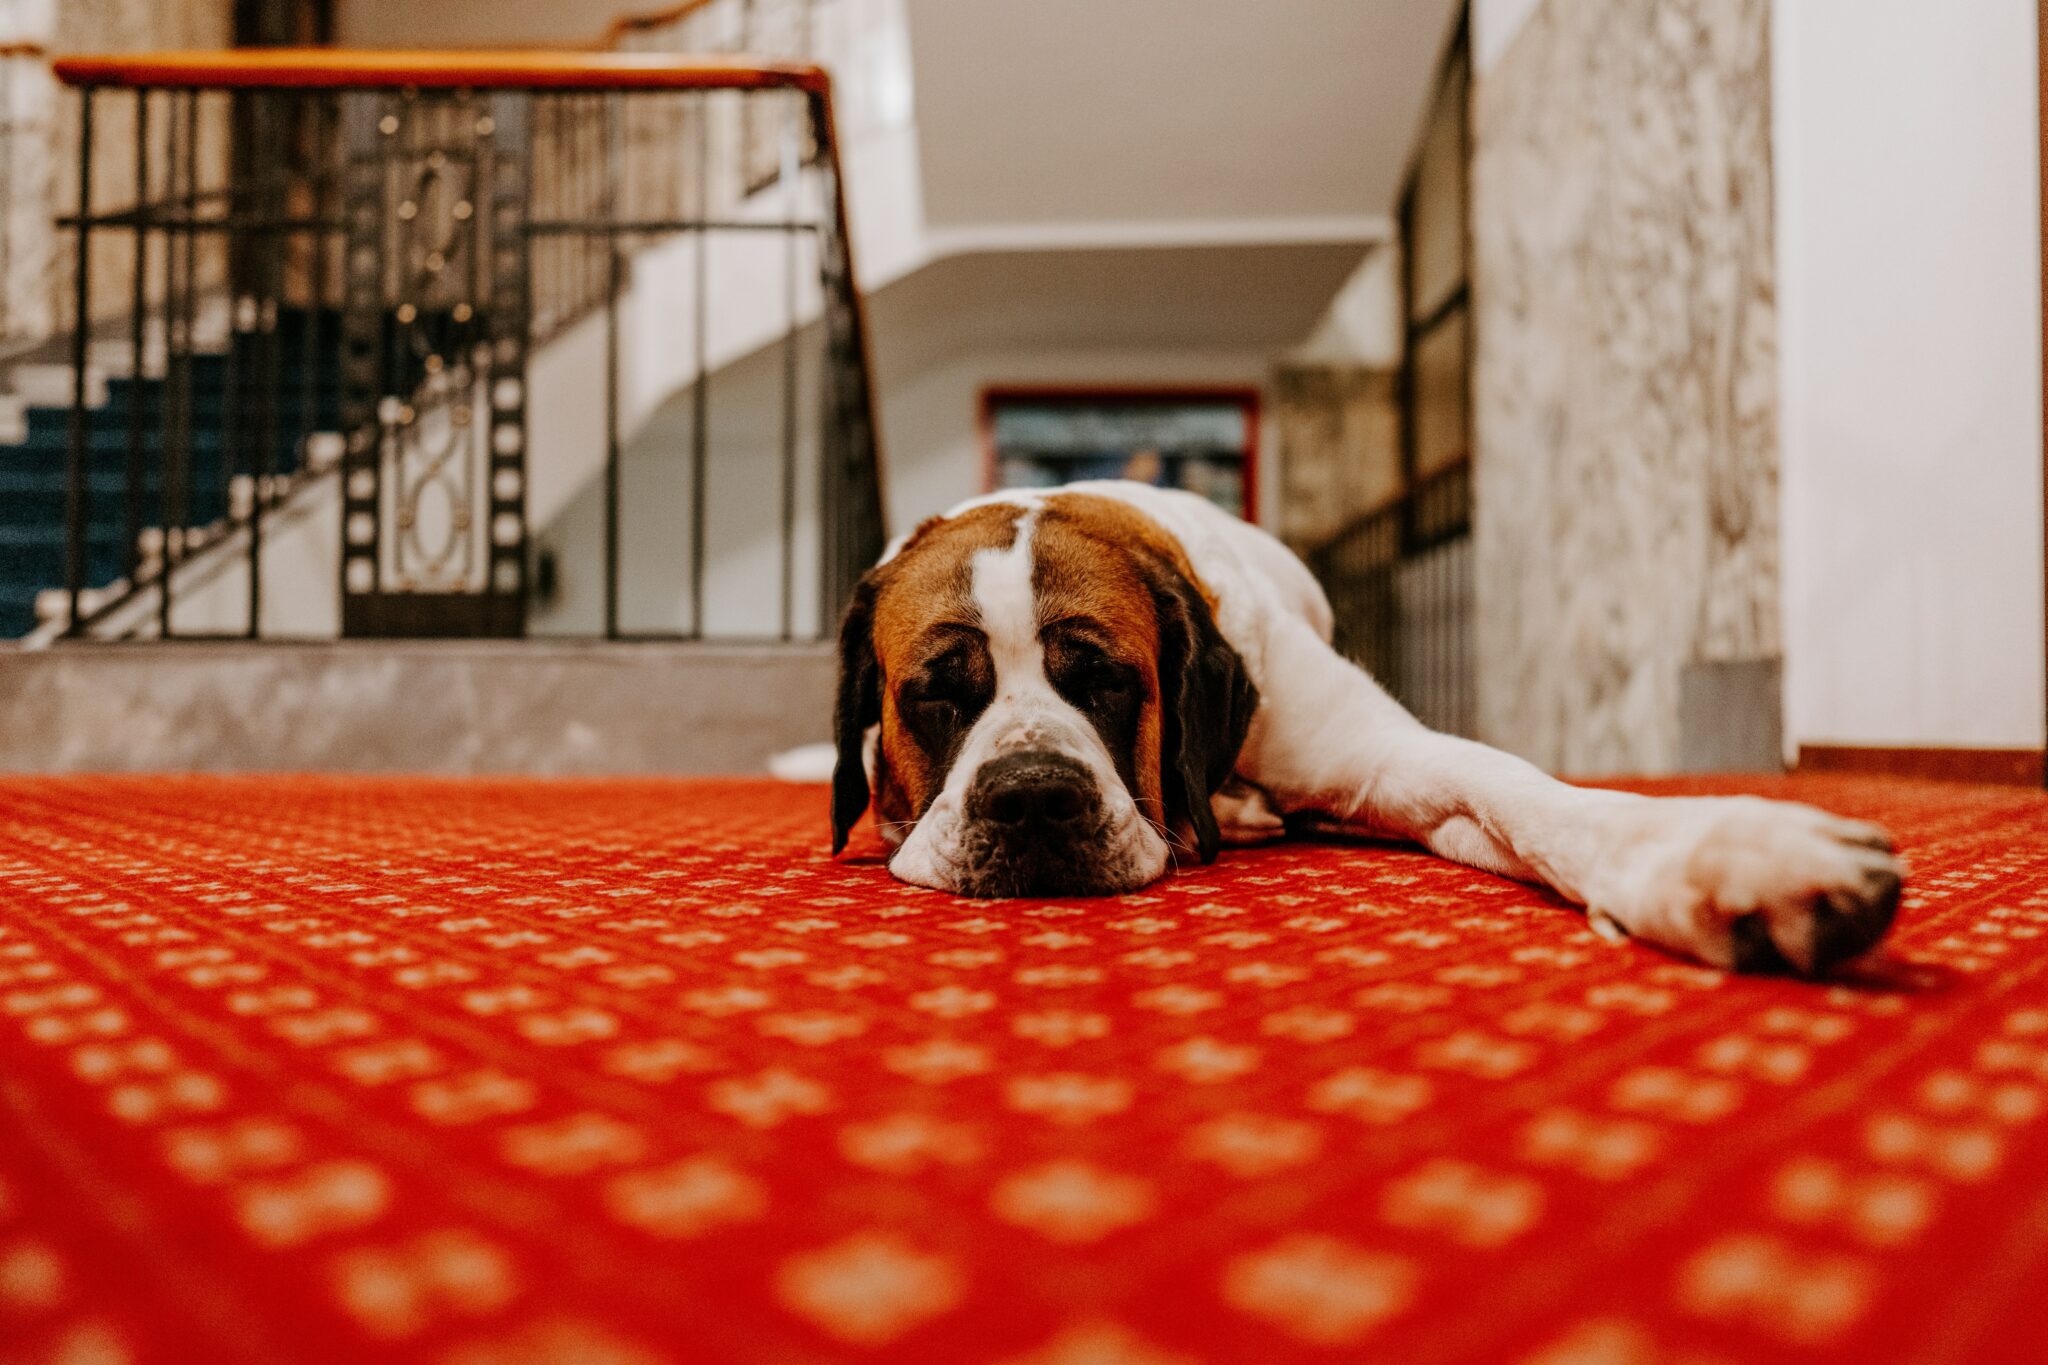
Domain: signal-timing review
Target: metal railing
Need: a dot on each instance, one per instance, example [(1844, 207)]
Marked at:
[(1399, 580), (386, 225), (691, 162), (1400, 577)]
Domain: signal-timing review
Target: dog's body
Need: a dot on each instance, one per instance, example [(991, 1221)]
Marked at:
[(1050, 692)]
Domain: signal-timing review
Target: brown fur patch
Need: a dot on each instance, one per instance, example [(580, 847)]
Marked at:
[(1117, 521), (925, 598)]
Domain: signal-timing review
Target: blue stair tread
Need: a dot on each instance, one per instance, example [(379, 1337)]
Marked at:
[(38, 537), (34, 473)]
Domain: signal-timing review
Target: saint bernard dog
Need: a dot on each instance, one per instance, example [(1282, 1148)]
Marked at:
[(1064, 692)]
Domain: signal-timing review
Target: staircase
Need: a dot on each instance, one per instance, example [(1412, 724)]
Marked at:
[(461, 200), (33, 470)]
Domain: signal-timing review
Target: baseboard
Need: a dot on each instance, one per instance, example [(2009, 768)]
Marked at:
[(1729, 717), (2003, 767)]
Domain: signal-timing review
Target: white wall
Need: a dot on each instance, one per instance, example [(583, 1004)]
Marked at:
[(743, 532), (1362, 325), (1906, 146), (1494, 26), (462, 23)]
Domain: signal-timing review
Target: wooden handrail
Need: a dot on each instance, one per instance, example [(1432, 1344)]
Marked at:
[(619, 28), (304, 68)]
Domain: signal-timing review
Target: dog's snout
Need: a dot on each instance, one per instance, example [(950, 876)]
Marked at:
[(1033, 790)]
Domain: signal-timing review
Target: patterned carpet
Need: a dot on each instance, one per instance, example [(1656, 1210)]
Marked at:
[(579, 1073)]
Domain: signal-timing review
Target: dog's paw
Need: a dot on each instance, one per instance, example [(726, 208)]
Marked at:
[(1245, 815), (1749, 885)]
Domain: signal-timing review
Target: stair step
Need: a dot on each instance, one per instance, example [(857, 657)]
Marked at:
[(107, 497), (49, 384), (30, 539), (55, 423), (102, 481), (108, 515), (35, 443)]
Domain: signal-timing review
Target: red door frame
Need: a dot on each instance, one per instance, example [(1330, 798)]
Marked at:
[(1245, 397)]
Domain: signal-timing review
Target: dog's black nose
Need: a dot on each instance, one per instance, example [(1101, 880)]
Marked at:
[(1033, 790)]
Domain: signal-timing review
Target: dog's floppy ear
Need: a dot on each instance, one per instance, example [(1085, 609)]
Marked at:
[(1206, 700), (858, 707)]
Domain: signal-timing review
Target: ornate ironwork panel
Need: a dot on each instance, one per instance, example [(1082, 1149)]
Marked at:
[(434, 354)]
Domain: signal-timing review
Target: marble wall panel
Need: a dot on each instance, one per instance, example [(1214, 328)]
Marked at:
[(1625, 372), (42, 152)]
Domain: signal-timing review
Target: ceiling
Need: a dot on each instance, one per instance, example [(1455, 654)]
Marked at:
[(1257, 299), (1164, 111), (1058, 123)]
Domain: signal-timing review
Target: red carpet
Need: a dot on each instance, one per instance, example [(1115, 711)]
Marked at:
[(622, 1072)]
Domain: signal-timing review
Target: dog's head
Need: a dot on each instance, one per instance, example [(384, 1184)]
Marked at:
[(1051, 701)]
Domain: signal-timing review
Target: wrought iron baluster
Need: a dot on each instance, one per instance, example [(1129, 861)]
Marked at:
[(792, 191), (76, 511), (177, 155), (272, 129), (241, 324), (368, 120), (138, 313), (850, 485), (608, 214), (700, 384)]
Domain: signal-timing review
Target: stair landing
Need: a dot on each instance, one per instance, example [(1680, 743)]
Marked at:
[(430, 706)]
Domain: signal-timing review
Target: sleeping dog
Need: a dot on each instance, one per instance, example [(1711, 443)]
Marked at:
[(1063, 692)]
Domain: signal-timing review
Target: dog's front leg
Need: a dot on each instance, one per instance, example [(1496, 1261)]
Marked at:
[(1737, 882)]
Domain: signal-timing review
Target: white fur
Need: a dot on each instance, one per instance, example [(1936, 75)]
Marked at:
[(1326, 739), (804, 763)]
